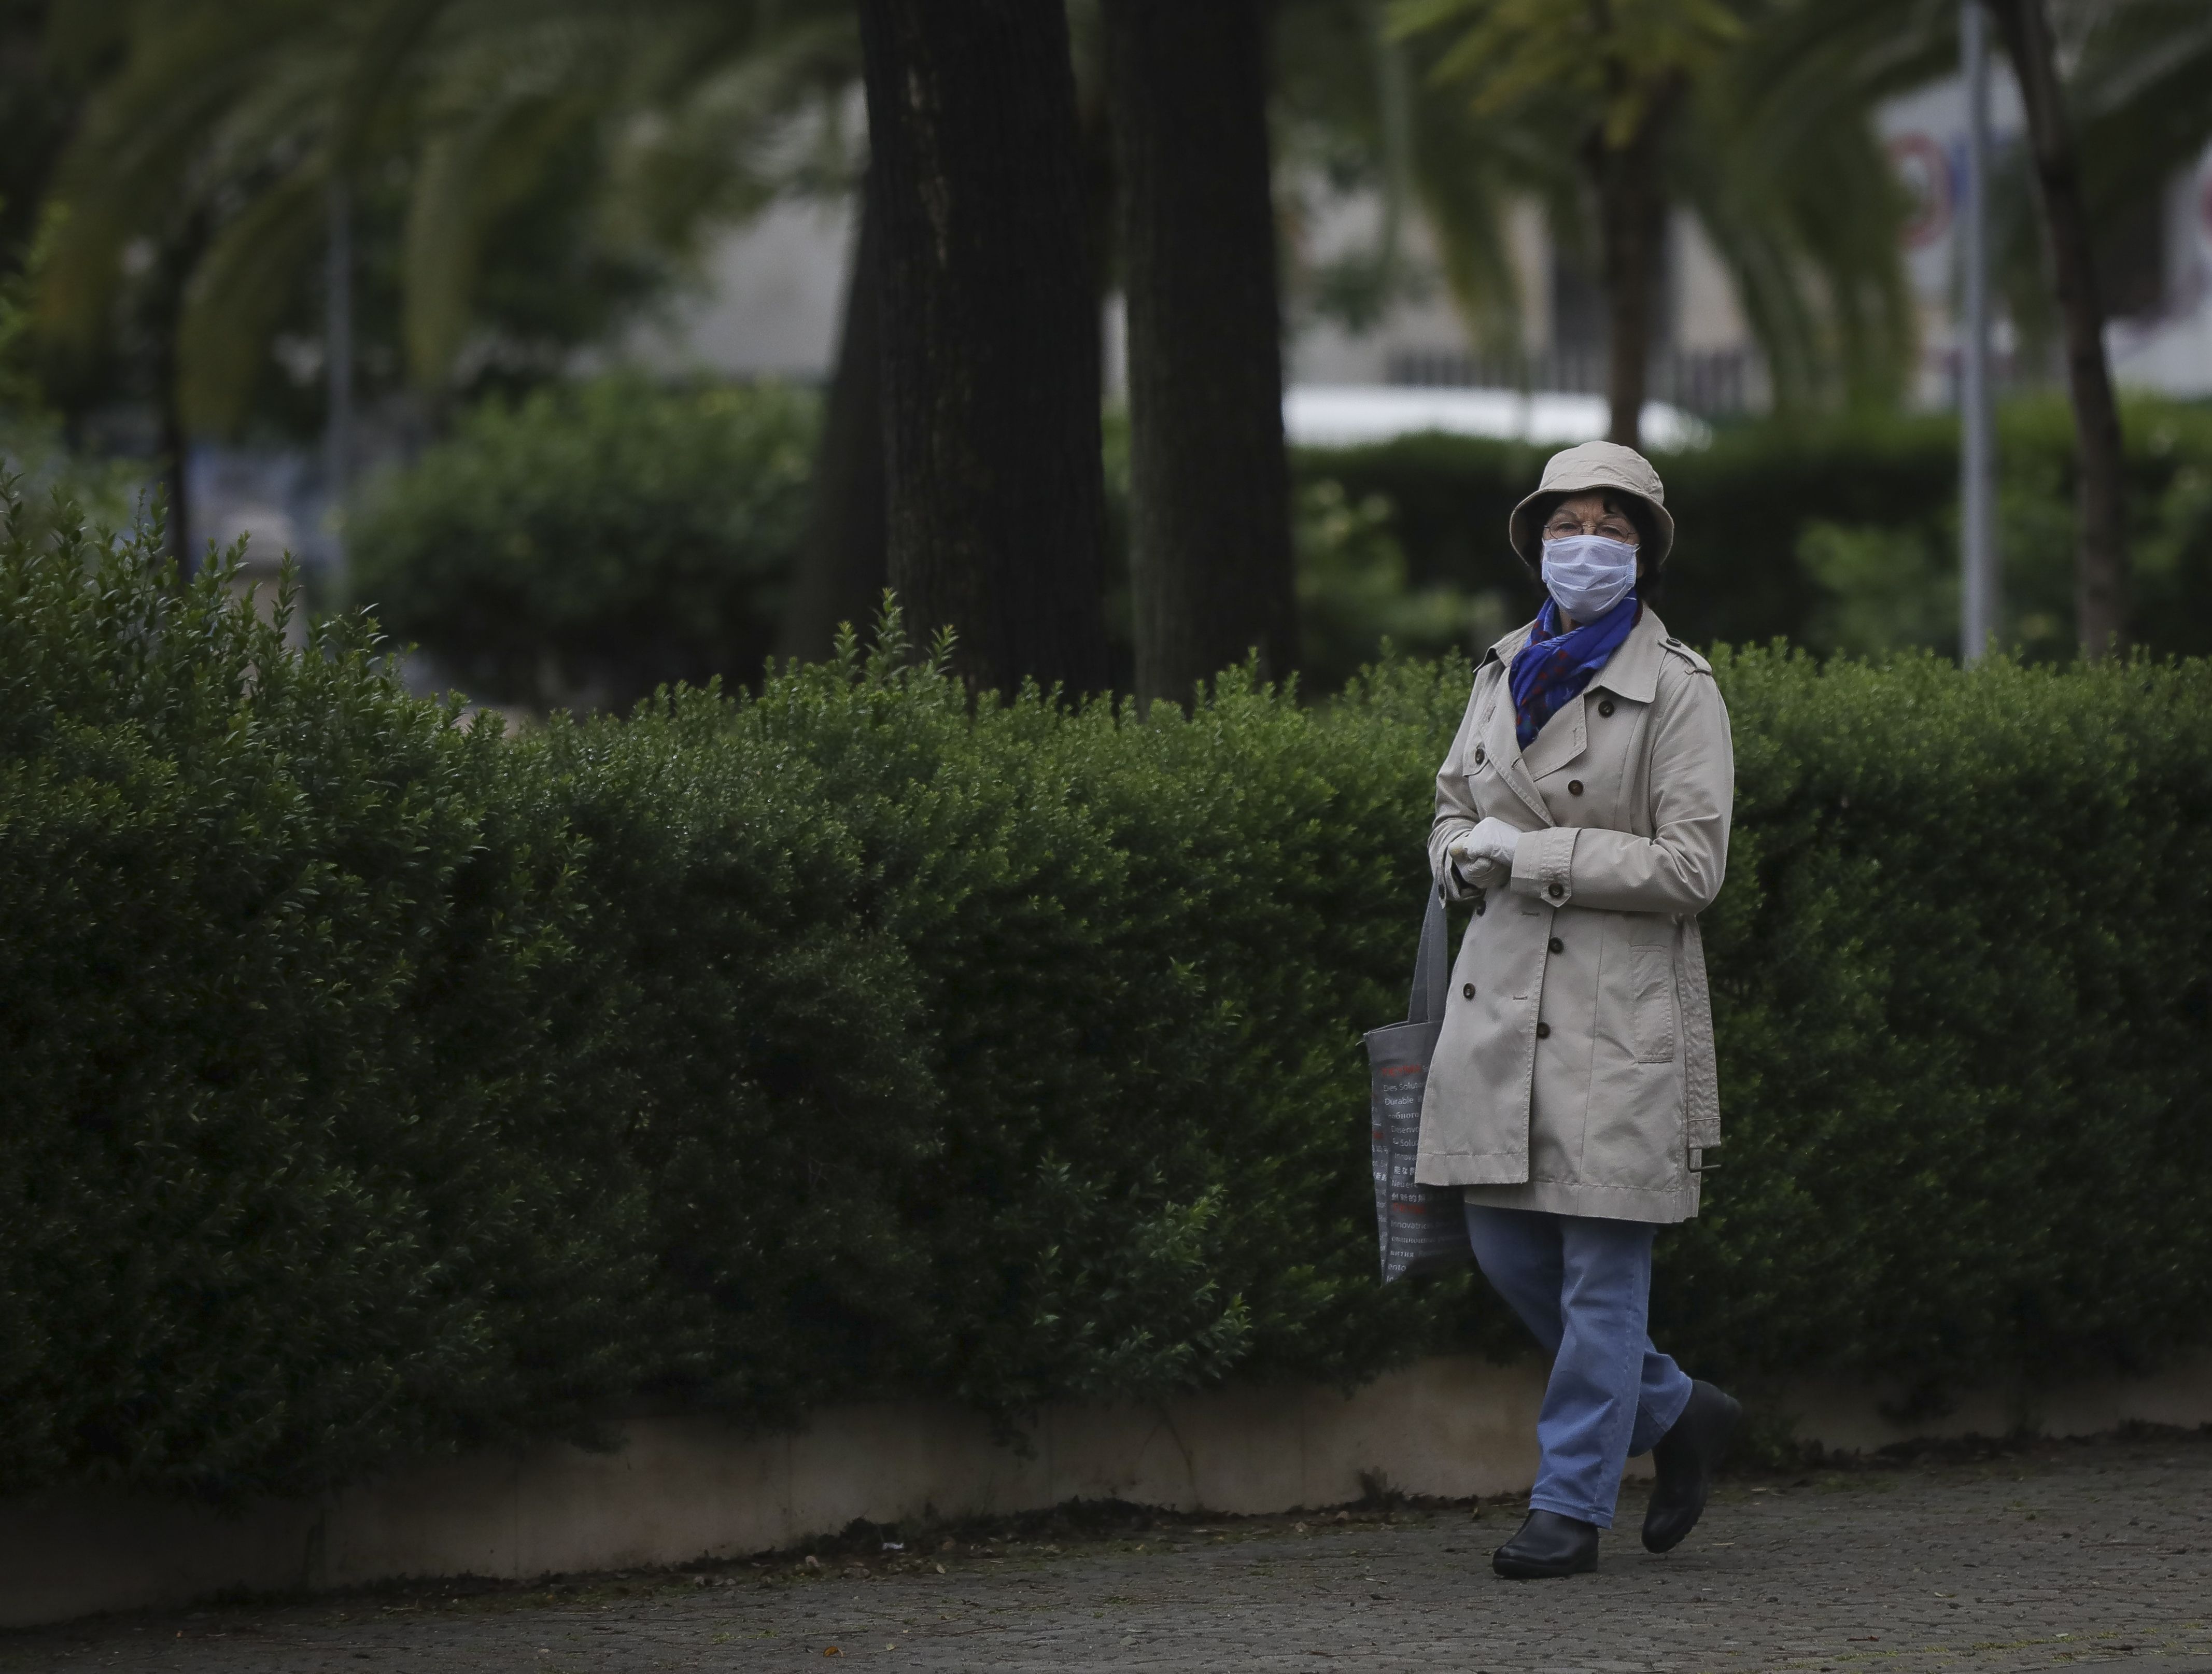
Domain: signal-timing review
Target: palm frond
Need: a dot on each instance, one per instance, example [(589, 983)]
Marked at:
[(233, 113), (141, 152), (1466, 184), (241, 291), (2142, 98), (472, 173), (1779, 160)]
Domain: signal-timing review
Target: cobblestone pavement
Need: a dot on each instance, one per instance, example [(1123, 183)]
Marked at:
[(2072, 1555)]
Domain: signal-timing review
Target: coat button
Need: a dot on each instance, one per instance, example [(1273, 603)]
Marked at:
[(1467, 990), (1605, 707), (1558, 946), (1574, 787), (1479, 906), (1478, 755), (1543, 1032), (1556, 891)]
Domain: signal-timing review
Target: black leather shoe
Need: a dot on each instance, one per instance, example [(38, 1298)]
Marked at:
[(1686, 1456), (1548, 1544)]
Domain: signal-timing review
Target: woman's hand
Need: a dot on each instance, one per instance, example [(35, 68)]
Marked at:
[(1485, 855)]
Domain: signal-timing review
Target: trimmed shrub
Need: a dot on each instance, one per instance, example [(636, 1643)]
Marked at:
[(279, 1197), (604, 537), (596, 540), (991, 1160), (1840, 533), (1965, 1008), (384, 1086)]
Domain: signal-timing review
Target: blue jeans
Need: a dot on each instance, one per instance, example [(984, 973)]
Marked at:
[(1583, 1287)]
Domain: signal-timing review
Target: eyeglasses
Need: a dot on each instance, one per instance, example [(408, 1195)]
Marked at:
[(1611, 526)]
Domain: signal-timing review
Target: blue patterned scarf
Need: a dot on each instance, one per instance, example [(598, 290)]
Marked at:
[(1553, 667)]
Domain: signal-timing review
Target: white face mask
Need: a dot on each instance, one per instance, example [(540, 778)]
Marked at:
[(1588, 574)]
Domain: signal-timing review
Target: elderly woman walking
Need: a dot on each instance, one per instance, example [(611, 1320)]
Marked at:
[(1583, 810)]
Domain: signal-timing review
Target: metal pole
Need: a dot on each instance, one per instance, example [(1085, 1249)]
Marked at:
[(1977, 557), (337, 356)]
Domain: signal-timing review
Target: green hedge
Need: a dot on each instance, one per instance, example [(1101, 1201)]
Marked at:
[(386, 1086), (585, 545), (279, 1198), (1839, 533), (603, 538), (1964, 987)]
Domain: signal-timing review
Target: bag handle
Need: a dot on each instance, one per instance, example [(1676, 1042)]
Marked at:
[(1432, 964)]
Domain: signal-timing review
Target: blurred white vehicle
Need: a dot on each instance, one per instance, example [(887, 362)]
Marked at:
[(1346, 415)]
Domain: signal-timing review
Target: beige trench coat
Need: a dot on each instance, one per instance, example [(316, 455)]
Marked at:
[(1574, 1073)]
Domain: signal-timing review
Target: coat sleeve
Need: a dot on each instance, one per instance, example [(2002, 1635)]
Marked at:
[(1455, 811), (1679, 867)]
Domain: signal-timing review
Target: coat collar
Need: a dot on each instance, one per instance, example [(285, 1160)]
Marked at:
[(1632, 671)]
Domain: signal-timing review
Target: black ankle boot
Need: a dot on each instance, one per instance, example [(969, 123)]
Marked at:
[(1548, 1544), (1686, 1456)]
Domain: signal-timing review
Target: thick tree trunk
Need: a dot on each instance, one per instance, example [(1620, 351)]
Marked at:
[(2100, 564), (1210, 568), (1632, 235), (840, 572), (990, 345)]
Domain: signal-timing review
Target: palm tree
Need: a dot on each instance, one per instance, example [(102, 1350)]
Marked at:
[(1638, 108), (2139, 96), (2100, 566), (2141, 92), (215, 130), (2141, 99)]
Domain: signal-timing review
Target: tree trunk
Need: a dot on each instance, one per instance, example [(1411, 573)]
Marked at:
[(840, 572), (175, 442), (176, 461), (1210, 568), (1632, 236), (337, 358), (990, 362), (171, 275), (2100, 564)]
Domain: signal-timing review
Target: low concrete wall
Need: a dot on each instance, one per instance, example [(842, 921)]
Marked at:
[(688, 1487), (1849, 1417)]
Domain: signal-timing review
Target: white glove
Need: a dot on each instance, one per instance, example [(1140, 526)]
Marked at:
[(1484, 854)]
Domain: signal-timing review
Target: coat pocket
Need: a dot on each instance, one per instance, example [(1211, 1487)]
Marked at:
[(1651, 1005)]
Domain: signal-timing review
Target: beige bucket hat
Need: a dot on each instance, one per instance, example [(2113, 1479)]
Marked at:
[(1595, 465)]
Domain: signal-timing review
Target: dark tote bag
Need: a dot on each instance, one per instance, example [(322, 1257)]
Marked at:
[(1422, 1229)]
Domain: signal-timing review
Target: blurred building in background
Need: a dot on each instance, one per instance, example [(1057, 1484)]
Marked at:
[(2156, 268), (770, 294)]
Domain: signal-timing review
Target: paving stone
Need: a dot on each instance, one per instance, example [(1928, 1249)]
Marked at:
[(2094, 1555)]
